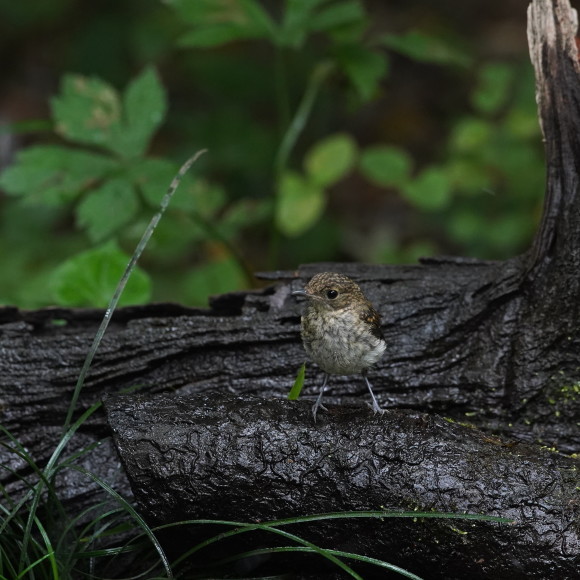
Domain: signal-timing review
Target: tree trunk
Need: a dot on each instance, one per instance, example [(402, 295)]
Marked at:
[(494, 343)]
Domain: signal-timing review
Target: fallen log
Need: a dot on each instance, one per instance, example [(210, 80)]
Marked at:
[(492, 343), (211, 456)]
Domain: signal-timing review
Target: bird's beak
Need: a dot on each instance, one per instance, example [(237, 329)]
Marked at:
[(306, 295), (300, 293)]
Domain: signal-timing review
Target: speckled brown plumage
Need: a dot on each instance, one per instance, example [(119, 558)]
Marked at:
[(341, 329)]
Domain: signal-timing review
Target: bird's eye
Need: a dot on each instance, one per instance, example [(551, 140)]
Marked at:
[(332, 294)]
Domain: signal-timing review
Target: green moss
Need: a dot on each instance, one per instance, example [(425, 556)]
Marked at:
[(458, 531), (570, 392), (551, 449)]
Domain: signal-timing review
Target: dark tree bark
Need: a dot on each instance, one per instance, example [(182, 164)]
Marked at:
[(217, 455), (494, 343)]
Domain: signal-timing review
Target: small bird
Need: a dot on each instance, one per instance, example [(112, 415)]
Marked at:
[(340, 330)]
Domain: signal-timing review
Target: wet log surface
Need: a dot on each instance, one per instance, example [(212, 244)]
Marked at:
[(212, 456), (495, 344)]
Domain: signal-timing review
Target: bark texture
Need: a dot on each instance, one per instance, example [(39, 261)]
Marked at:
[(494, 343), (212, 456)]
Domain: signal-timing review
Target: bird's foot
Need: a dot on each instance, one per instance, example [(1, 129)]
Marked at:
[(375, 407), (315, 407)]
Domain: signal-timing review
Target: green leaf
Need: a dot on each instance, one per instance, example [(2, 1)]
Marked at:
[(245, 213), (364, 68), (468, 176), (173, 240), (300, 204), (52, 175), (338, 14), (471, 135), (106, 209), (467, 227), (298, 384), (295, 23), (145, 106), (522, 124), (509, 231), (386, 166), (88, 110), (304, 16), (154, 176), (493, 87), (423, 47), (216, 277), (430, 190), (216, 22), (329, 160), (90, 278), (205, 198)]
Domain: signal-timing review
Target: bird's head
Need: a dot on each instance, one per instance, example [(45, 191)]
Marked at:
[(331, 291)]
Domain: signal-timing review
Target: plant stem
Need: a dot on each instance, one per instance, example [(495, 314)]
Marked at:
[(319, 74), (282, 97), (298, 122)]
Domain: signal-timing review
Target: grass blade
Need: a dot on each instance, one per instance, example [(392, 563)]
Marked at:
[(134, 514), (298, 384), (123, 282)]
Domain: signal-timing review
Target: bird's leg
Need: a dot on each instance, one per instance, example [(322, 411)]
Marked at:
[(376, 407), (319, 399)]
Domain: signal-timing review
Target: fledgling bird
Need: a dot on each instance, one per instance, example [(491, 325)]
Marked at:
[(340, 330)]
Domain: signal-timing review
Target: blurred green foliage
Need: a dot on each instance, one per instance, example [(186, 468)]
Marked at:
[(279, 94)]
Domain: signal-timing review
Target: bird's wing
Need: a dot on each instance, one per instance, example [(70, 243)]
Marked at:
[(373, 319)]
